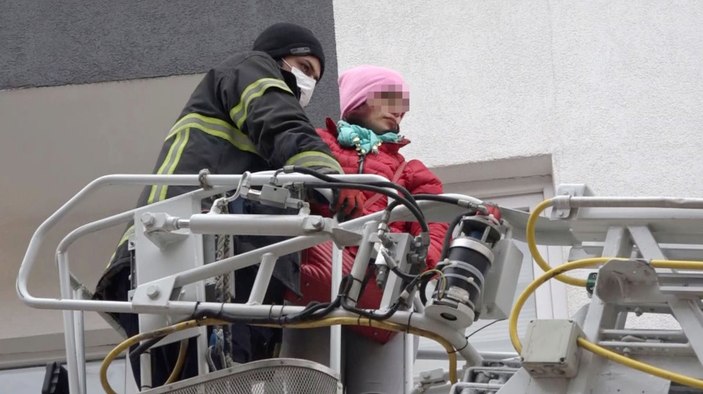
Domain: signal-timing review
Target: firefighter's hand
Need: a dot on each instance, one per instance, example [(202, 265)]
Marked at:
[(348, 203)]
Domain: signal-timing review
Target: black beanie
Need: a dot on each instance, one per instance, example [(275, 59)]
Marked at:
[(283, 39)]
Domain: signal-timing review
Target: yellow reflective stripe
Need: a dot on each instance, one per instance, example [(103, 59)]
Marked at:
[(125, 237), (255, 90), (172, 168), (216, 128), (164, 165), (315, 159)]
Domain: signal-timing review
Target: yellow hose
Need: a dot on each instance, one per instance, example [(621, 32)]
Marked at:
[(522, 298), (124, 345), (532, 244), (182, 351), (640, 366), (326, 322), (331, 321), (590, 346)]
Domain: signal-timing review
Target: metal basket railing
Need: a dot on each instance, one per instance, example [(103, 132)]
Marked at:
[(271, 376)]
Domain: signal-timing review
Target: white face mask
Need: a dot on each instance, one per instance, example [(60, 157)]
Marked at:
[(305, 84)]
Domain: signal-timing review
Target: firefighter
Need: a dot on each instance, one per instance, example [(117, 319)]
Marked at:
[(245, 115)]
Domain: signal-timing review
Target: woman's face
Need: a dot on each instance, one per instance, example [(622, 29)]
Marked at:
[(382, 111)]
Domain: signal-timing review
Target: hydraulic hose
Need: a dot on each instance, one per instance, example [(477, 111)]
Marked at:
[(182, 352), (331, 321), (532, 245), (124, 345), (325, 322)]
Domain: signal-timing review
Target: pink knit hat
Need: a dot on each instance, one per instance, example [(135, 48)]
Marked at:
[(357, 84)]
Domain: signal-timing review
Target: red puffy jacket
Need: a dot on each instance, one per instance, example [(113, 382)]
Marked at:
[(316, 262)]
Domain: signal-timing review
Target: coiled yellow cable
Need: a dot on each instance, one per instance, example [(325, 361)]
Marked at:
[(532, 244), (182, 351), (325, 322), (590, 346), (124, 345)]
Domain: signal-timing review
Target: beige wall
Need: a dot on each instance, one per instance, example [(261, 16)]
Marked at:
[(53, 142)]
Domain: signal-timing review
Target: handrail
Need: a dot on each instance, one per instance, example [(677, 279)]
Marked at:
[(217, 182)]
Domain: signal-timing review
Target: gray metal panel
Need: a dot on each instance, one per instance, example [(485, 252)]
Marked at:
[(48, 43)]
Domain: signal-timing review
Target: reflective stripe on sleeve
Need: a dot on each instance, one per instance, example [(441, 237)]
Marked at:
[(251, 92), (315, 159)]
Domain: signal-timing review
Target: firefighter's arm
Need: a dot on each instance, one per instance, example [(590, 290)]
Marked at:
[(185, 151)]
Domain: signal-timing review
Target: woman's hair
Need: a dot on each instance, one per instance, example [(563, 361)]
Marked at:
[(356, 115)]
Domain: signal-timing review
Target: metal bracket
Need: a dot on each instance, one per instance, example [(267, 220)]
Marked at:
[(571, 190), (153, 296), (159, 227), (274, 196), (624, 282), (399, 248)]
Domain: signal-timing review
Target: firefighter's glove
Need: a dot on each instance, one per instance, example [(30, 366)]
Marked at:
[(348, 203)]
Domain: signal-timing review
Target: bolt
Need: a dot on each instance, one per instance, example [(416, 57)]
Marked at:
[(152, 292), (318, 224), (148, 219), (638, 311)]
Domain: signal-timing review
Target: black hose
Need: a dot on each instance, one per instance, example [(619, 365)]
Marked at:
[(400, 200), (451, 200), (143, 347), (314, 310), (423, 289), (396, 305), (406, 277), (371, 315), (448, 236), (327, 178)]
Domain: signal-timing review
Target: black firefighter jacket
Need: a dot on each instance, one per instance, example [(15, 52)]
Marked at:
[(243, 116)]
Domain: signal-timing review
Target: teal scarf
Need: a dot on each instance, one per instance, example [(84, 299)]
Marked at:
[(363, 139)]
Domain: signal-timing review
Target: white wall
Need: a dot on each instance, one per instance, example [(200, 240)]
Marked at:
[(611, 89)]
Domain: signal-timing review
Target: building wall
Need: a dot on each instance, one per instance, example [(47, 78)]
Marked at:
[(610, 89), (75, 42)]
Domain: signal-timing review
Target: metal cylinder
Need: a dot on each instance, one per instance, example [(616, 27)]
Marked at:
[(247, 224), (469, 260)]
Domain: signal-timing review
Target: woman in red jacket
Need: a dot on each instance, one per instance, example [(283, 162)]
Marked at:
[(373, 102)]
